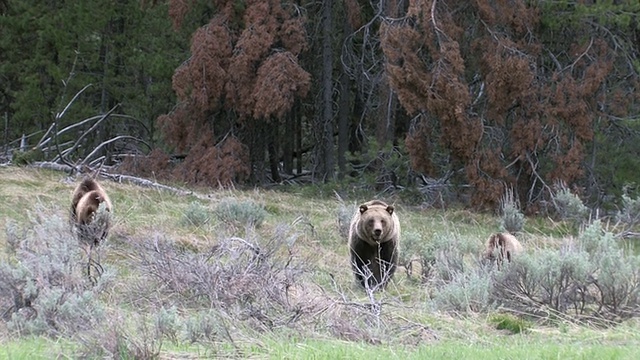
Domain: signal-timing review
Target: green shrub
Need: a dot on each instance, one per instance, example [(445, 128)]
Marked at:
[(596, 241), (630, 213), (628, 218), (345, 214), (414, 248), (569, 206), (513, 324), (592, 280), (460, 284), (203, 327), (512, 219), (449, 250), (167, 323), (240, 212), (43, 280), (618, 284), (441, 256), (196, 215), (120, 338), (27, 157), (466, 291), (544, 283)]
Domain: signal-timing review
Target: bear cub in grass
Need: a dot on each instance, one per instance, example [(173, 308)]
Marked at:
[(501, 246), (374, 234), (86, 200)]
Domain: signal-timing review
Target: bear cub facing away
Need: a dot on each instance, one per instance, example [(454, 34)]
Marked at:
[(500, 247), (86, 200), (374, 234)]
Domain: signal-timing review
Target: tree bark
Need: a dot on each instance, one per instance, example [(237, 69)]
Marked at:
[(343, 110), (298, 142), (272, 150), (288, 141), (356, 135), (327, 155)]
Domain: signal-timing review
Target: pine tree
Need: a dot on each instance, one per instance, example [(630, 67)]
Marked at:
[(500, 94), (234, 91)]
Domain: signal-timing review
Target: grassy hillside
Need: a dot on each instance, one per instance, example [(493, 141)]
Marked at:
[(264, 274)]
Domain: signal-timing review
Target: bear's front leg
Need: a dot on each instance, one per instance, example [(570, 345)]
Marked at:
[(388, 260), (360, 262)]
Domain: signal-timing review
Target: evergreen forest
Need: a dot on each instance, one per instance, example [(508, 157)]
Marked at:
[(438, 101)]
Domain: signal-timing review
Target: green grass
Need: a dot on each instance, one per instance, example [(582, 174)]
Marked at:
[(503, 348), (409, 328), (500, 347), (509, 322), (28, 348)]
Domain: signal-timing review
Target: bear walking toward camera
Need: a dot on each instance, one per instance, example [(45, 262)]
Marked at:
[(374, 234), (85, 202), (501, 246)]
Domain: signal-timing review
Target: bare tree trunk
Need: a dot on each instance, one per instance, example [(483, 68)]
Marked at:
[(592, 187), (6, 133), (272, 150), (100, 132), (356, 135), (343, 110), (298, 142), (385, 127), (257, 138), (104, 49), (288, 141), (327, 155), (343, 123)]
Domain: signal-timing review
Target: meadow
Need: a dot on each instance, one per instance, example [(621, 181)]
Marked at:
[(265, 273)]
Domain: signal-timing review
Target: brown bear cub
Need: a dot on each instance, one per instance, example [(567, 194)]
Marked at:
[(85, 202), (374, 234), (501, 246)]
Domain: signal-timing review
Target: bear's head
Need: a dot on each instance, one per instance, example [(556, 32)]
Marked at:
[(493, 247), (501, 247), (376, 221)]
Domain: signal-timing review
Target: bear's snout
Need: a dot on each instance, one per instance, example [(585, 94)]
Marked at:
[(377, 232)]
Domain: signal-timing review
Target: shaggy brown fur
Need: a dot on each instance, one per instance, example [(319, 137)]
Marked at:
[(501, 246), (374, 235), (88, 184), (85, 202)]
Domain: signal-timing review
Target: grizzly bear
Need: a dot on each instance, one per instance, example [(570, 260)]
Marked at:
[(374, 234), (86, 200), (501, 246)]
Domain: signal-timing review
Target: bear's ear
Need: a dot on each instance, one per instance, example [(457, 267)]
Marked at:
[(492, 241), (363, 208), (390, 209), (501, 240)]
